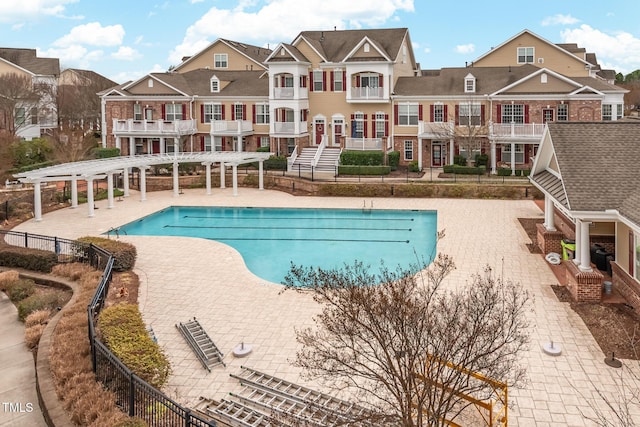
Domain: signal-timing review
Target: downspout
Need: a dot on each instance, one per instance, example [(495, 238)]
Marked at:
[(103, 129)]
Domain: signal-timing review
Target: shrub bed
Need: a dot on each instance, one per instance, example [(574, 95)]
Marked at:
[(124, 254), (363, 170), (21, 289), (362, 158), (124, 331), (27, 258), (464, 170), (44, 299)]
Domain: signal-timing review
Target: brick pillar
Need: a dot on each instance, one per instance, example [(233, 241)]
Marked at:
[(549, 241), (583, 286)]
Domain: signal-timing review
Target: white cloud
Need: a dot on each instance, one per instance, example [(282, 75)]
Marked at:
[(619, 51), (465, 48), (559, 19), (73, 56), (427, 50), (31, 9), (258, 26), (93, 34), (126, 53)]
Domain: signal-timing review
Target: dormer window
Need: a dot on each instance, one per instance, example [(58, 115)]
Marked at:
[(469, 84), (215, 85)]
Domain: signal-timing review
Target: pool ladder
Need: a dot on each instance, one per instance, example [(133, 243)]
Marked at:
[(365, 208)]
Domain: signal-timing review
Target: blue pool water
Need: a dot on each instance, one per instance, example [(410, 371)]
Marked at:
[(270, 239)]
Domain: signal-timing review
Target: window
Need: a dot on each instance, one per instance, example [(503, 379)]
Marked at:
[(291, 145), (618, 111), (469, 114), (519, 154), (173, 112), (220, 60), (217, 143), (34, 115), (288, 80), (137, 112), (338, 84), (148, 113), (408, 149), (215, 85), (263, 141), (207, 143), (606, 112), (216, 111), (407, 114), (563, 112), (547, 115), (207, 113), (358, 125), (369, 80), (381, 125), (438, 113), (318, 81), (525, 55), (367, 48), (20, 116), (262, 113), (238, 111), (150, 83), (512, 113), (469, 83)]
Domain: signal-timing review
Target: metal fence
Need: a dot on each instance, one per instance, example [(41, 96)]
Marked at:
[(134, 396)]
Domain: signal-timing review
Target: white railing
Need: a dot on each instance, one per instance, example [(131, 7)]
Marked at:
[(179, 127), (366, 93), (283, 93), (292, 158), (363, 143), (231, 126), (517, 130), (319, 151), (289, 127), (436, 129)]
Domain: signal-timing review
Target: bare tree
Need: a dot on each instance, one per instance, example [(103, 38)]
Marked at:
[(18, 103), (411, 349)]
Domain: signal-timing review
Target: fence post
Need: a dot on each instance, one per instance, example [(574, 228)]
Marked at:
[(312, 168), (132, 395), (26, 239)]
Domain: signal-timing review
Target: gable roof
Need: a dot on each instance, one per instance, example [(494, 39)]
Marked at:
[(89, 77), (293, 54), (596, 163), (29, 61), (256, 54), (336, 46)]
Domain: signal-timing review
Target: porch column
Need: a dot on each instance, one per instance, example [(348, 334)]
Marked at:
[(162, 142), (494, 154), (132, 146), (223, 172), (578, 252), (37, 201), (513, 158), (110, 190), (208, 177), (585, 255), (118, 143), (90, 199), (125, 182), (260, 177), (548, 213), (452, 150), (420, 153), (143, 184), (176, 180), (176, 146), (74, 192), (235, 179), (239, 136)]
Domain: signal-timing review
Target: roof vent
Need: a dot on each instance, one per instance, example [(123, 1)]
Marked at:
[(540, 60)]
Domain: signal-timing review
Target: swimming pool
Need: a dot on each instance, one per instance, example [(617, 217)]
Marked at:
[(270, 239)]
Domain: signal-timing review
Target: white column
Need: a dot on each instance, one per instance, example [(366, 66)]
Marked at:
[(513, 158), (494, 153), (143, 184), (176, 180), (223, 172), (578, 252), (162, 143), (37, 201), (110, 190), (132, 146), (74, 192), (452, 150), (548, 213), (208, 177), (260, 175), (125, 182), (420, 153), (585, 255), (90, 200), (118, 143), (235, 179)]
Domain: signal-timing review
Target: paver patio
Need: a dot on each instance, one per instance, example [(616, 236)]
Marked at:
[(184, 277)]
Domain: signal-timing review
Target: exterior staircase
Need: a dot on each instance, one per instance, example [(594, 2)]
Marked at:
[(326, 163)]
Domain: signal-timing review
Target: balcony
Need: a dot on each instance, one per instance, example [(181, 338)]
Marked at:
[(516, 130), (130, 127), (364, 144), (289, 128), (436, 129), (367, 93), (290, 92), (231, 127)]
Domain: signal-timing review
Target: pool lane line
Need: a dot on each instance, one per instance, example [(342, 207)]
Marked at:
[(315, 218), (202, 227)]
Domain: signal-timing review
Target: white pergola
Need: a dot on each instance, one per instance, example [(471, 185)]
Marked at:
[(91, 170)]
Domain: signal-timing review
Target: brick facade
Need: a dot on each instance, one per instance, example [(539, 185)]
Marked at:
[(627, 286), (583, 286)]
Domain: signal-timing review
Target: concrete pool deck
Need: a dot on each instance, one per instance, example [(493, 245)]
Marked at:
[(184, 277)]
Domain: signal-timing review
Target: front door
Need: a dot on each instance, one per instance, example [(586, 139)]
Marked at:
[(436, 154), (547, 115), (319, 132)]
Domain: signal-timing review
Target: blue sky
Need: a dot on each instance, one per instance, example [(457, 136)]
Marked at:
[(125, 40)]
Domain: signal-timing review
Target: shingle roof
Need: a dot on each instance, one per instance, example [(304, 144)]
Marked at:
[(257, 53), (27, 59), (336, 45), (598, 162), (553, 185)]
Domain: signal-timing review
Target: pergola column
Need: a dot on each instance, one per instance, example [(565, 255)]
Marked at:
[(235, 179), (74, 192), (109, 190), (260, 175), (585, 255), (143, 184), (90, 199), (37, 201), (548, 213), (223, 172), (208, 177), (125, 182), (176, 179)]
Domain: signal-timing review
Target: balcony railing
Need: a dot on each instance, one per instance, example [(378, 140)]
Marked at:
[(517, 130), (228, 127), (154, 127), (290, 93), (436, 129), (363, 143), (289, 127), (364, 93)]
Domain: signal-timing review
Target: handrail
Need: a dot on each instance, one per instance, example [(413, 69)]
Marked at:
[(321, 147), (292, 158)]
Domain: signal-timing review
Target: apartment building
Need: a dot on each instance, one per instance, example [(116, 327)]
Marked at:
[(362, 90)]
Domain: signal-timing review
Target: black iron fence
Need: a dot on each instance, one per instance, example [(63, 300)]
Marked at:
[(134, 396)]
